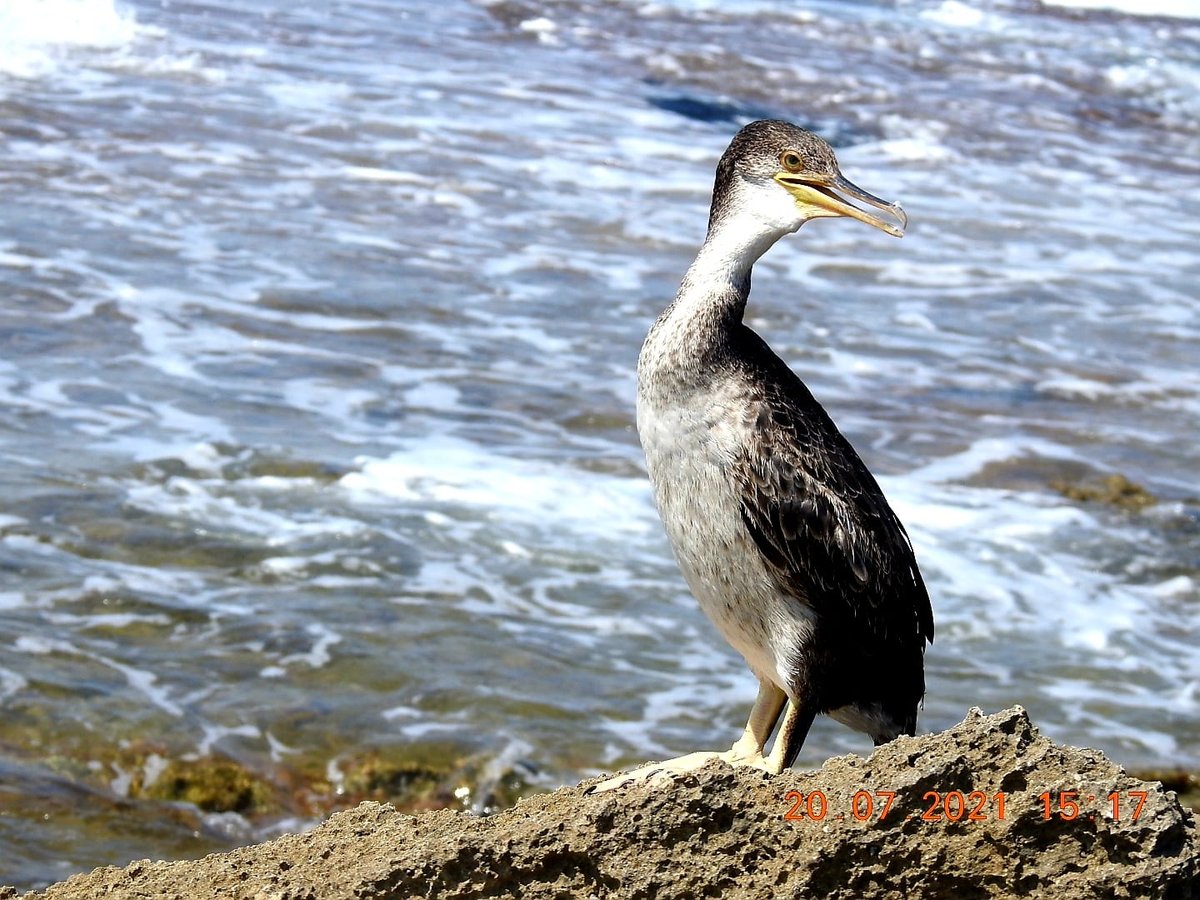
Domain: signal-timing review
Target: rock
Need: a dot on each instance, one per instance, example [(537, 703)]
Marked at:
[(1115, 489), (966, 817)]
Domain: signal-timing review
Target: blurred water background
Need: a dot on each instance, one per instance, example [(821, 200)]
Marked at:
[(317, 353)]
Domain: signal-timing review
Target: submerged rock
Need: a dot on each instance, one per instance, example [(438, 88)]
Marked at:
[(1115, 490), (989, 808), (213, 784)]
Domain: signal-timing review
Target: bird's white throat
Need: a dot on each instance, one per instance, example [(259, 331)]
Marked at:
[(734, 243)]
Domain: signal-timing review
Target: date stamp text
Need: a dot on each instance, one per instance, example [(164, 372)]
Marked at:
[(960, 806)]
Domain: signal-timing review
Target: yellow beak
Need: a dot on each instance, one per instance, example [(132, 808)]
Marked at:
[(816, 194)]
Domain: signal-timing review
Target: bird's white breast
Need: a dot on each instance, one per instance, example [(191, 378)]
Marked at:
[(691, 439)]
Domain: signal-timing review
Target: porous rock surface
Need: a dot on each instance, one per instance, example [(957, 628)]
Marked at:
[(727, 832)]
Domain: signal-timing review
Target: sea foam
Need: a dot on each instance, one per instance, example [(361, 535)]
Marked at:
[(35, 35)]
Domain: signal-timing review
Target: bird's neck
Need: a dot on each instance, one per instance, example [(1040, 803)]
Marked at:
[(712, 297)]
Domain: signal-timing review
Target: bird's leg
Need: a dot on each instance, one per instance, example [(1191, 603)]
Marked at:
[(747, 751), (792, 732)]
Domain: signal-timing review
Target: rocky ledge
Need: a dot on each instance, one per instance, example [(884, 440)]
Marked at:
[(989, 808)]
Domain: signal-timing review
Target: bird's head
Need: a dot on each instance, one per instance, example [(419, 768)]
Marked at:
[(783, 176)]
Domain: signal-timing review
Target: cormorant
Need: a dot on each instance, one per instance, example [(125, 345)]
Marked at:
[(781, 532)]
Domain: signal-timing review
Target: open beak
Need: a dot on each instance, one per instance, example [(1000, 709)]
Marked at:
[(822, 192)]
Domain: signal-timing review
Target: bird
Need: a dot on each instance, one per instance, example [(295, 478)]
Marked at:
[(781, 532)]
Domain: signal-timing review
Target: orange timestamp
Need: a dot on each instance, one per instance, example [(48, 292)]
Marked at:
[(1070, 805), (956, 806), (865, 806)]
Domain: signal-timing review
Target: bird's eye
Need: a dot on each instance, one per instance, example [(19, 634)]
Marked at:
[(791, 160)]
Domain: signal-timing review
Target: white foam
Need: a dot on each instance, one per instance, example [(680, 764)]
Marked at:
[(495, 770), (308, 95), (135, 579), (1083, 704), (34, 34), (510, 547), (145, 682), (403, 712), (18, 260), (152, 769), (318, 655), (11, 682), (1181, 9), (278, 748), (141, 680), (727, 685), (537, 493), (12, 600), (205, 503), (1171, 84), (542, 27), (418, 731), (372, 173), (41, 646), (913, 319), (1081, 388), (190, 64), (114, 621), (121, 781), (201, 457), (970, 462), (430, 394), (284, 565), (214, 733), (915, 149), (1179, 586), (962, 15)]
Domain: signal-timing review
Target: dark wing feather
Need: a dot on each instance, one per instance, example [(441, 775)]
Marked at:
[(819, 517)]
